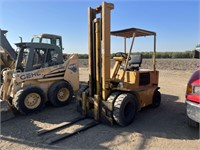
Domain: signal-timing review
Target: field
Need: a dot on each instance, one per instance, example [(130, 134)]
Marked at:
[(161, 128), (162, 64)]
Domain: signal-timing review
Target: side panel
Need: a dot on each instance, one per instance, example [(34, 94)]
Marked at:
[(72, 72), (43, 85), (133, 79), (145, 96)]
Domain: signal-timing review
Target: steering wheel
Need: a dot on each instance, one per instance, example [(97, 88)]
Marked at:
[(18, 70), (4, 70), (120, 54)]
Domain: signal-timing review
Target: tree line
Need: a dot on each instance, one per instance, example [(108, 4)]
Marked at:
[(173, 55)]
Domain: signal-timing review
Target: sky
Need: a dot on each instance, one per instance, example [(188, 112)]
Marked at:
[(177, 23)]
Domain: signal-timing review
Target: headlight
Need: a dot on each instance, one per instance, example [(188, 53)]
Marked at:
[(196, 90)]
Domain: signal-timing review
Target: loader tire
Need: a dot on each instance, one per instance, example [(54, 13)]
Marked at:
[(156, 99), (29, 100), (125, 108), (60, 93)]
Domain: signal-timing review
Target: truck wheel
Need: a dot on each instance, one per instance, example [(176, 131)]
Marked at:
[(29, 100), (156, 99), (60, 93), (192, 123), (125, 108)]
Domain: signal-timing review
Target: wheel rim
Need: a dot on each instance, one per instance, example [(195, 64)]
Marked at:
[(63, 94), (32, 100)]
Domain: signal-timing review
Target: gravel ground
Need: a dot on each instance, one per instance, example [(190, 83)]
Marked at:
[(161, 128)]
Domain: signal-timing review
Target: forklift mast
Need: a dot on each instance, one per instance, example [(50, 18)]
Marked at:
[(99, 50)]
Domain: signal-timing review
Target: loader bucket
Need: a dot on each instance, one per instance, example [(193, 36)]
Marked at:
[(6, 111)]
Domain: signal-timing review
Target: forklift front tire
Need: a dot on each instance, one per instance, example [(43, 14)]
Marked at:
[(125, 108)]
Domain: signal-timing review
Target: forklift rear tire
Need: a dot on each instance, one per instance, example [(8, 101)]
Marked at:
[(60, 93), (156, 99), (29, 100), (125, 108)]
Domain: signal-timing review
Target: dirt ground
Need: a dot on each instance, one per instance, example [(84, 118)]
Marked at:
[(161, 128)]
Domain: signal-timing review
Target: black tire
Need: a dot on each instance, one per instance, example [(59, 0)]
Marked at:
[(111, 99), (21, 103), (84, 88), (60, 100), (192, 123), (81, 90), (156, 99), (1, 90), (113, 96), (125, 108)]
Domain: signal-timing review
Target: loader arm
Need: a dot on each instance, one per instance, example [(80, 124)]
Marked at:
[(6, 45)]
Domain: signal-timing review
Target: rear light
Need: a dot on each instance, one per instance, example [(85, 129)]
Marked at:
[(193, 89), (196, 90), (189, 89)]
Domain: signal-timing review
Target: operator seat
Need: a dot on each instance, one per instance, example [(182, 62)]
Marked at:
[(135, 62)]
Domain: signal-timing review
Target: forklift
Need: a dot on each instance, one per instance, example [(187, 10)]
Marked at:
[(116, 95), (111, 95)]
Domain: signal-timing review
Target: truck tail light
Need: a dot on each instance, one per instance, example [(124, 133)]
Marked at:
[(196, 90), (189, 89)]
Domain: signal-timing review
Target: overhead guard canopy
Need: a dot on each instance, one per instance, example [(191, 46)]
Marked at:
[(128, 33)]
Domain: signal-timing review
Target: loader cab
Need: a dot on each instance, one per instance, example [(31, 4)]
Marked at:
[(48, 39), (34, 56)]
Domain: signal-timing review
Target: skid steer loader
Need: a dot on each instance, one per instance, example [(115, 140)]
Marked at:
[(40, 75)]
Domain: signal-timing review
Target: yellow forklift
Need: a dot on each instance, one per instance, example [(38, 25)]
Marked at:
[(111, 95), (115, 95)]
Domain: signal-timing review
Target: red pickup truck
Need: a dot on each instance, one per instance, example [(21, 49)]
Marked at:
[(193, 96)]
